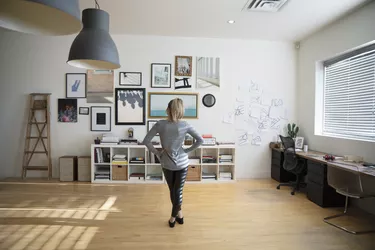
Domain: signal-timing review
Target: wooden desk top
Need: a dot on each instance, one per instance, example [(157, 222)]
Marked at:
[(318, 157)]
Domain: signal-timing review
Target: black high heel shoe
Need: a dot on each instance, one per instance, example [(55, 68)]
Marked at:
[(180, 220), (171, 224)]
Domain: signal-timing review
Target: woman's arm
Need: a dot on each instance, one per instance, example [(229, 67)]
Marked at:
[(147, 140), (198, 139)]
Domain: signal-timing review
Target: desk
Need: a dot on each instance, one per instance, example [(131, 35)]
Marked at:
[(318, 190)]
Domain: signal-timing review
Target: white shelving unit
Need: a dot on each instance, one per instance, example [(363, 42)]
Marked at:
[(110, 172)]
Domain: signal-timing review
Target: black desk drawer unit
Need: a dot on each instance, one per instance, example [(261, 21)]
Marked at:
[(318, 190), (277, 171)]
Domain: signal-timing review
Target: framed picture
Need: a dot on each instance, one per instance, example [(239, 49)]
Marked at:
[(299, 142), (160, 75), (84, 110), (208, 73), (100, 118), (75, 85), (100, 85), (150, 124), (182, 83), (158, 103), (130, 106), (183, 66), (67, 110), (130, 79)]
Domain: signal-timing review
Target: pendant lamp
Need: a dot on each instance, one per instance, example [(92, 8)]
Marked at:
[(94, 48), (41, 17)]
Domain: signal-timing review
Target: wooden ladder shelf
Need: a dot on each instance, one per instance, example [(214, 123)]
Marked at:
[(38, 142)]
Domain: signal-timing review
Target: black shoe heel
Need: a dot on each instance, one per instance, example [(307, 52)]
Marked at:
[(171, 224), (180, 220)]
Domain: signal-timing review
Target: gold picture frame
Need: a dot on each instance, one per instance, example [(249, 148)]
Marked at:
[(183, 66)]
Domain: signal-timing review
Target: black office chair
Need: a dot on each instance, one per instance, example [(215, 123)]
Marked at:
[(293, 164)]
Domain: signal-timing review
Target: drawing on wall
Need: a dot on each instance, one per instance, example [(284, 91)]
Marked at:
[(130, 106), (160, 75), (100, 85), (130, 79), (243, 137), (208, 73), (75, 85), (182, 83), (67, 110), (183, 65), (256, 140), (158, 103), (101, 118)]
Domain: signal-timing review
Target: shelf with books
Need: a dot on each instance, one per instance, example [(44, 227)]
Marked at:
[(226, 172)]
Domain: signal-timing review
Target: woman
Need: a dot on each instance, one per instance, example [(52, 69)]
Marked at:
[(174, 159)]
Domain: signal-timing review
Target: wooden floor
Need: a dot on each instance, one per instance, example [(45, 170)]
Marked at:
[(242, 215)]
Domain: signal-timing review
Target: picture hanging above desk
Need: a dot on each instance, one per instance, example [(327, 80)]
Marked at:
[(158, 103)]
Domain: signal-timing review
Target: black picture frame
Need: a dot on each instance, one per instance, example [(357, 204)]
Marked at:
[(135, 73), (170, 75), (66, 86), (110, 118), (205, 100), (81, 112), (149, 127), (136, 102)]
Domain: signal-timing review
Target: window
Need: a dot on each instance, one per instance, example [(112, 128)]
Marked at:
[(349, 95)]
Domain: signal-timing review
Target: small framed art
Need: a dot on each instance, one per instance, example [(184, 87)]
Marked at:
[(183, 66), (67, 110), (84, 111), (101, 118), (160, 75), (150, 124), (130, 79), (76, 85), (130, 106)]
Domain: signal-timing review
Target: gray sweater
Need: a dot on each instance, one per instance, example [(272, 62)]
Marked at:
[(172, 136)]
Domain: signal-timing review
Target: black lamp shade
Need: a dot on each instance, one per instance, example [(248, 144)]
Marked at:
[(41, 17), (94, 48)]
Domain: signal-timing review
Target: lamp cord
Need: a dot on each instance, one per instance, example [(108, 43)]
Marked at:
[(97, 5)]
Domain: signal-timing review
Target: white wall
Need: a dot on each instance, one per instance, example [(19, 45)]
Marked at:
[(352, 31), (35, 64)]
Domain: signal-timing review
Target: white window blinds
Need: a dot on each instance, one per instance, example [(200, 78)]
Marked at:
[(349, 96)]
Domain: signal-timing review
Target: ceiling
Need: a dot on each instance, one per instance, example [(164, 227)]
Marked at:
[(208, 18)]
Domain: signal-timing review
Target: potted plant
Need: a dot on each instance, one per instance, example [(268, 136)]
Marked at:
[(293, 130)]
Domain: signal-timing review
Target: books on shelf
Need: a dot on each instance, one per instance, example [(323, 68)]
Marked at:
[(194, 160), (208, 176), (154, 177), (224, 158), (109, 139), (137, 176), (119, 159), (208, 159), (225, 175), (137, 160)]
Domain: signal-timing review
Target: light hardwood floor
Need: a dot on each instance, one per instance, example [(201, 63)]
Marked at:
[(243, 215)]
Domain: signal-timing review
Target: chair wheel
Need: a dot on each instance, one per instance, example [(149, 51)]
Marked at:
[(278, 187), (292, 193)]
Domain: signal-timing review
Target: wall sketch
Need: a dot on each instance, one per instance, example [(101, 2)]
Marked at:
[(208, 73)]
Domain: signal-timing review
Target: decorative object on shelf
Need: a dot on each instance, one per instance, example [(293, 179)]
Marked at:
[(158, 103), (97, 140), (189, 140), (75, 85), (210, 141), (292, 130), (100, 85), (208, 73), (93, 48), (130, 106), (59, 17), (130, 133), (160, 75), (329, 157), (182, 83), (209, 100), (150, 124), (84, 111), (67, 110), (299, 142), (101, 118), (183, 65), (130, 79)]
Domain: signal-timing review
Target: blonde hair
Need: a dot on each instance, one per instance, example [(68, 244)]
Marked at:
[(175, 110)]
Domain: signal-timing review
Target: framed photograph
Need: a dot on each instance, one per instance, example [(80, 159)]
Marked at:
[(100, 85), (150, 124), (75, 85), (299, 142), (130, 79), (100, 118), (158, 103), (182, 83), (160, 75), (183, 66), (130, 106), (84, 111), (67, 110), (208, 73)]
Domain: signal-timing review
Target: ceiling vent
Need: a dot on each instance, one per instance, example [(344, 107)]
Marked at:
[(264, 5)]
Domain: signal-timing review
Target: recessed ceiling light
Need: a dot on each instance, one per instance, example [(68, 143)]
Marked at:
[(231, 21)]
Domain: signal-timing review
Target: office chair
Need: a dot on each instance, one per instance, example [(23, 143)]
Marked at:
[(353, 184), (293, 164)]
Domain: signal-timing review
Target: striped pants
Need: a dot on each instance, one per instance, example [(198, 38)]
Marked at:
[(176, 182)]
